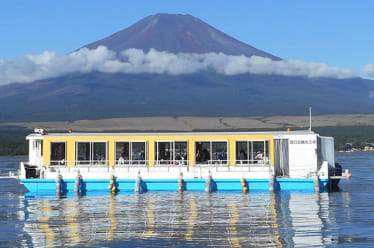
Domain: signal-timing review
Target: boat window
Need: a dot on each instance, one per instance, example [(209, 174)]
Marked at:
[(91, 153), (243, 152), (258, 150), (99, 152), (252, 152), (211, 152), (83, 152), (122, 152), (219, 152), (138, 152), (58, 153), (181, 151), (202, 152), (164, 152), (127, 152), (171, 152)]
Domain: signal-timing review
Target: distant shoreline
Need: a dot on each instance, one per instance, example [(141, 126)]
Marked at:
[(192, 123), (13, 156), (357, 129)]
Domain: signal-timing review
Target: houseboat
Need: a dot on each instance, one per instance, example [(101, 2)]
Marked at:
[(202, 161)]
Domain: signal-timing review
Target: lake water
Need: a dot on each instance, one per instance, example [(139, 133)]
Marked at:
[(194, 219)]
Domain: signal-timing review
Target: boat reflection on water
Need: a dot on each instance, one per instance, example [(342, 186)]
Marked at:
[(191, 220), (112, 218), (282, 219), (43, 223)]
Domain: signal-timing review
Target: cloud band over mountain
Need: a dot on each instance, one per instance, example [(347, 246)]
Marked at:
[(369, 70), (29, 68)]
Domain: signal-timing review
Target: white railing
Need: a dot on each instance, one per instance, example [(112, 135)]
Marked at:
[(108, 165), (78, 163)]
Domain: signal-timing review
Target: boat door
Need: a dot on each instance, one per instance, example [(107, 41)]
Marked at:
[(281, 154), (36, 152)]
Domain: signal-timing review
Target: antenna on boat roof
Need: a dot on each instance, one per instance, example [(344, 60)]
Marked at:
[(310, 119)]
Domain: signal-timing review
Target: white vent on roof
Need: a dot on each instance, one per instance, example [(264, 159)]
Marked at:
[(39, 130)]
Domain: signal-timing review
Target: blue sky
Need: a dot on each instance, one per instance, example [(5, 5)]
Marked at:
[(336, 32)]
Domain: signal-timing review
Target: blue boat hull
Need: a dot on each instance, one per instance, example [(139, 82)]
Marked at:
[(128, 185)]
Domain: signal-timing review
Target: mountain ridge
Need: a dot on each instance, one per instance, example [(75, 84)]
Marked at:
[(177, 33)]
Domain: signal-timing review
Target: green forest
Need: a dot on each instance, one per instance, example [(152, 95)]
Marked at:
[(358, 136), (13, 141)]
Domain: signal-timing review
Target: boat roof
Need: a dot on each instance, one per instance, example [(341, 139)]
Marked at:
[(73, 134)]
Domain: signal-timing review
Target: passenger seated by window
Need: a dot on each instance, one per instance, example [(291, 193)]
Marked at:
[(199, 156), (259, 156), (97, 157), (215, 158), (242, 155), (178, 157), (223, 156), (205, 156), (121, 160), (139, 158), (142, 158), (265, 159), (102, 161), (165, 156)]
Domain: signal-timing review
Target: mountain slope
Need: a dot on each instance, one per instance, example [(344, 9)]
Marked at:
[(177, 34), (101, 95)]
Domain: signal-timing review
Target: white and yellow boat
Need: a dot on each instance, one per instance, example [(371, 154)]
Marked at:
[(245, 161)]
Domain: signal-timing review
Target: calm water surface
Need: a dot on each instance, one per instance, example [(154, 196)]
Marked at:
[(194, 219)]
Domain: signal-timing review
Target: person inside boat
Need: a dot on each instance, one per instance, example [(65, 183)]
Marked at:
[(96, 158), (202, 155), (139, 158), (242, 155), (142, 158), (215, 157), (102, 161), (121, 159), (205, 156), (223, 156), (198, 156), (165, 156), (178, 157), (259, 157)]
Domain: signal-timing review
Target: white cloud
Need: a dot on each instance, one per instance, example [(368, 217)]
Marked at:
[(29, 68), (369, 70)]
